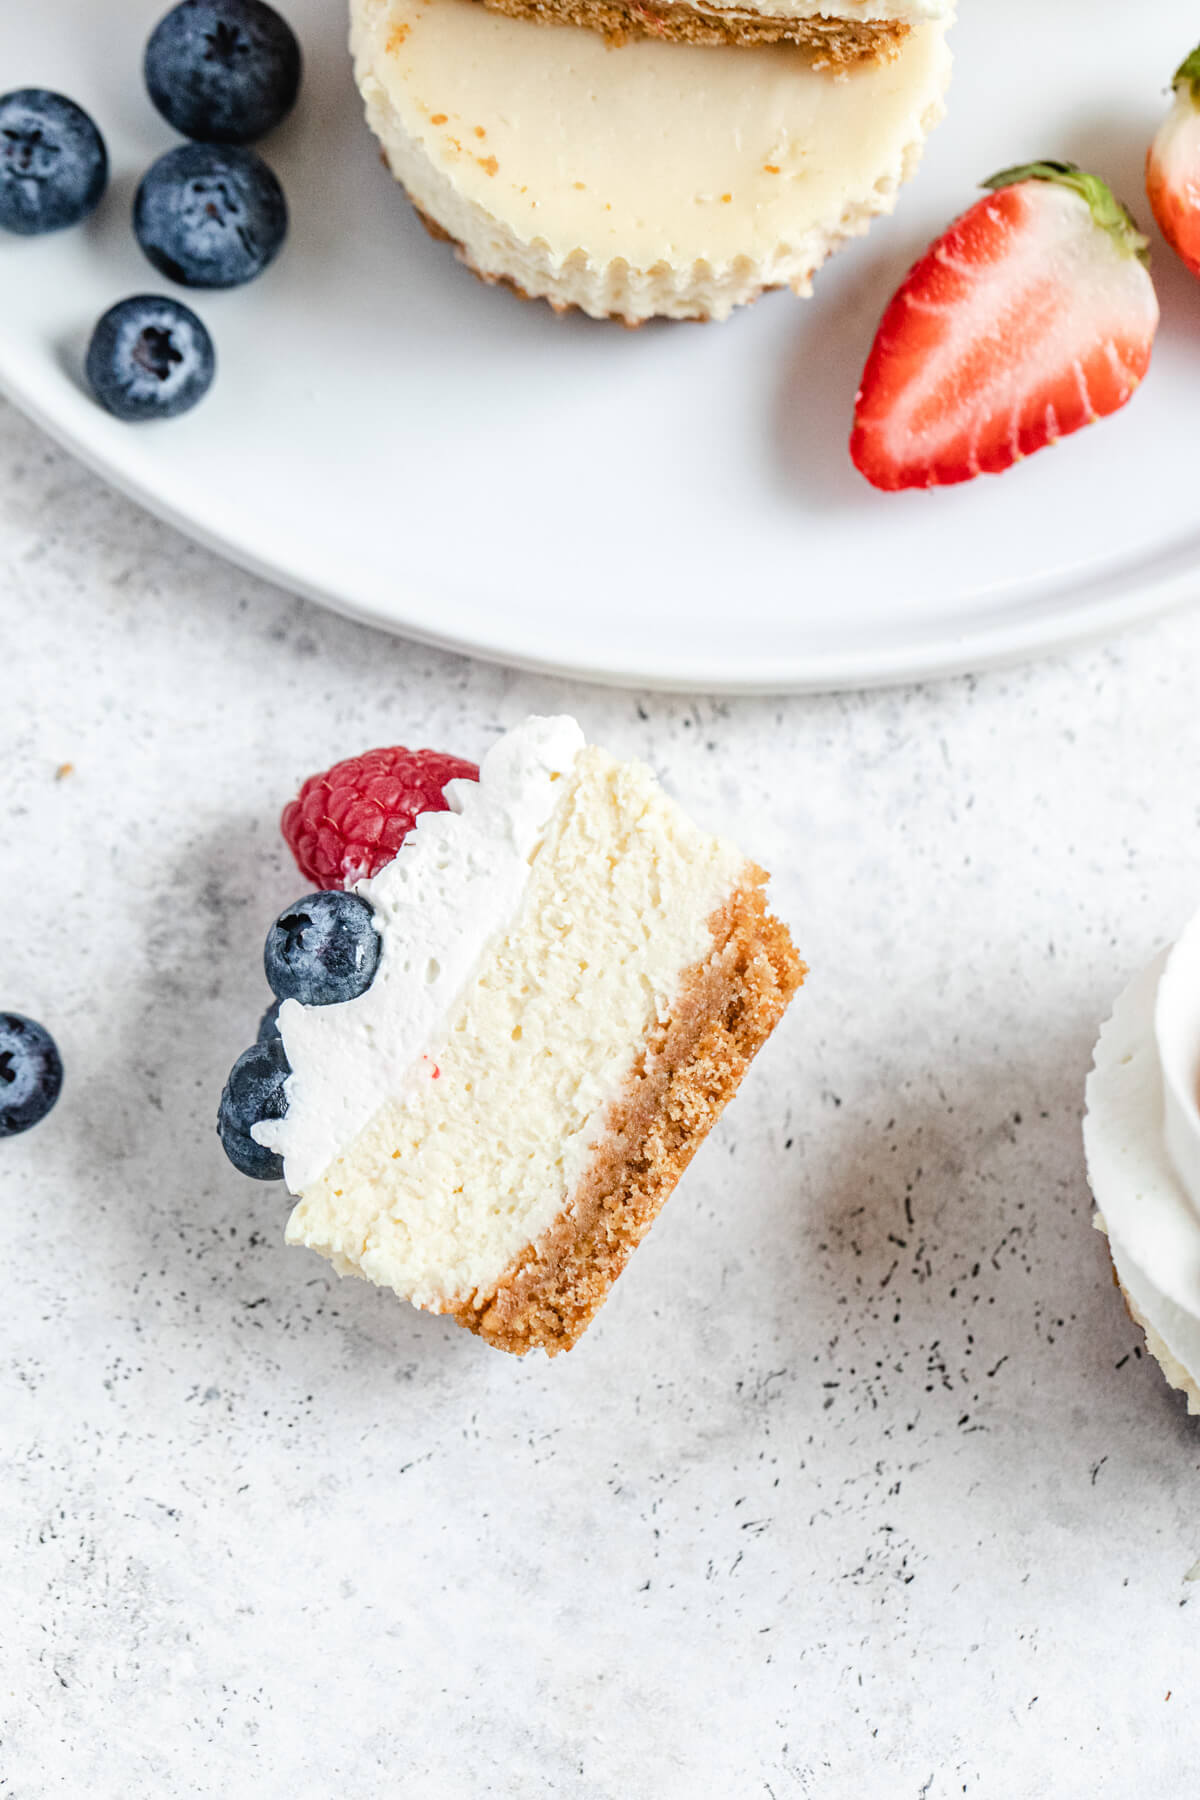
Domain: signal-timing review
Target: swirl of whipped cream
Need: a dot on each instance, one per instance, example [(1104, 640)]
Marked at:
[(1142, 1138)]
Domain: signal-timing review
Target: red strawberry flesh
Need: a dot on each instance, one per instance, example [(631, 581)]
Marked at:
[(1173, 167), (1032, 317)]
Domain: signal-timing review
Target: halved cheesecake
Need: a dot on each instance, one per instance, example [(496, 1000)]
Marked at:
[(657, 180), (834, 36), (572, 980)]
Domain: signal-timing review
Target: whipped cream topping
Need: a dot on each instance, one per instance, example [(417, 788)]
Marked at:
[(457, 879), (1142, 1137)]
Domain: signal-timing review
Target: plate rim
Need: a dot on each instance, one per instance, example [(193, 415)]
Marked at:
[(969, 651), (1042, 612)]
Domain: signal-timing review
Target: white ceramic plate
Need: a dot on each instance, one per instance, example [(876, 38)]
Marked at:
[(673, 507)]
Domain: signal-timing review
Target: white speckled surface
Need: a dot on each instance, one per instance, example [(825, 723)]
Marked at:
[(859, 1486)]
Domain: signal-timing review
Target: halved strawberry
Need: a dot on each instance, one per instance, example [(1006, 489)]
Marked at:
[(1173, 167), (1033, 316)]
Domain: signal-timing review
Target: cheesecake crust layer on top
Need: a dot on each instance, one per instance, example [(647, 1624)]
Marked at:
[(832, 43), (726, 1010)]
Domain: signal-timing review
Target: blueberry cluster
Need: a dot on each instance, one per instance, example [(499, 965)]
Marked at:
[(208, 214), (323, 950)]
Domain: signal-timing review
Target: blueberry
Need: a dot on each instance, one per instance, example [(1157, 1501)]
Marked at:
[(150, 358), (53, 164), (223, 71), (268, 1025), (323, 949), (210, 216), (254, 1091), (31, 1073)]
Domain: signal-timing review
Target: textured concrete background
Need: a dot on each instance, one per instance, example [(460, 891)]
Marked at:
[(859, 1486)]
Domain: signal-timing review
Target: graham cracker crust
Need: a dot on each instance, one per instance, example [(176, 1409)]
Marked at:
[(690, 1069), (831, 43)]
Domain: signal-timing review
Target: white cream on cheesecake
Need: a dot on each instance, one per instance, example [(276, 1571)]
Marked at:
[(458, 879), (1142, 1136), (651, 179), (532, 938)]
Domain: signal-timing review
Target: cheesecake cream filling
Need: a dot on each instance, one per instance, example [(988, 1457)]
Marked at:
[(1142, 1137), (479, 1147), (549, 156)]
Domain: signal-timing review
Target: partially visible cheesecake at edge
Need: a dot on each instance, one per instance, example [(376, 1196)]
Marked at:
[(653, 180)]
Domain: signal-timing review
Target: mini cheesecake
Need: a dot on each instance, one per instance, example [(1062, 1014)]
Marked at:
[(654, 180), (834, 37), (572, 980)]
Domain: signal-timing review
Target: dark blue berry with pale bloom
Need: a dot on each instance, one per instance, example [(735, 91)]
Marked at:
[(223, 71)]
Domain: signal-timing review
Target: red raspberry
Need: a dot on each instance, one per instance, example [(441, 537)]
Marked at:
[(349, 822)]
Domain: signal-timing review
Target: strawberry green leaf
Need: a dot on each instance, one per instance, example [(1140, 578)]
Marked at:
[(1109, 213), (1189, 72)]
